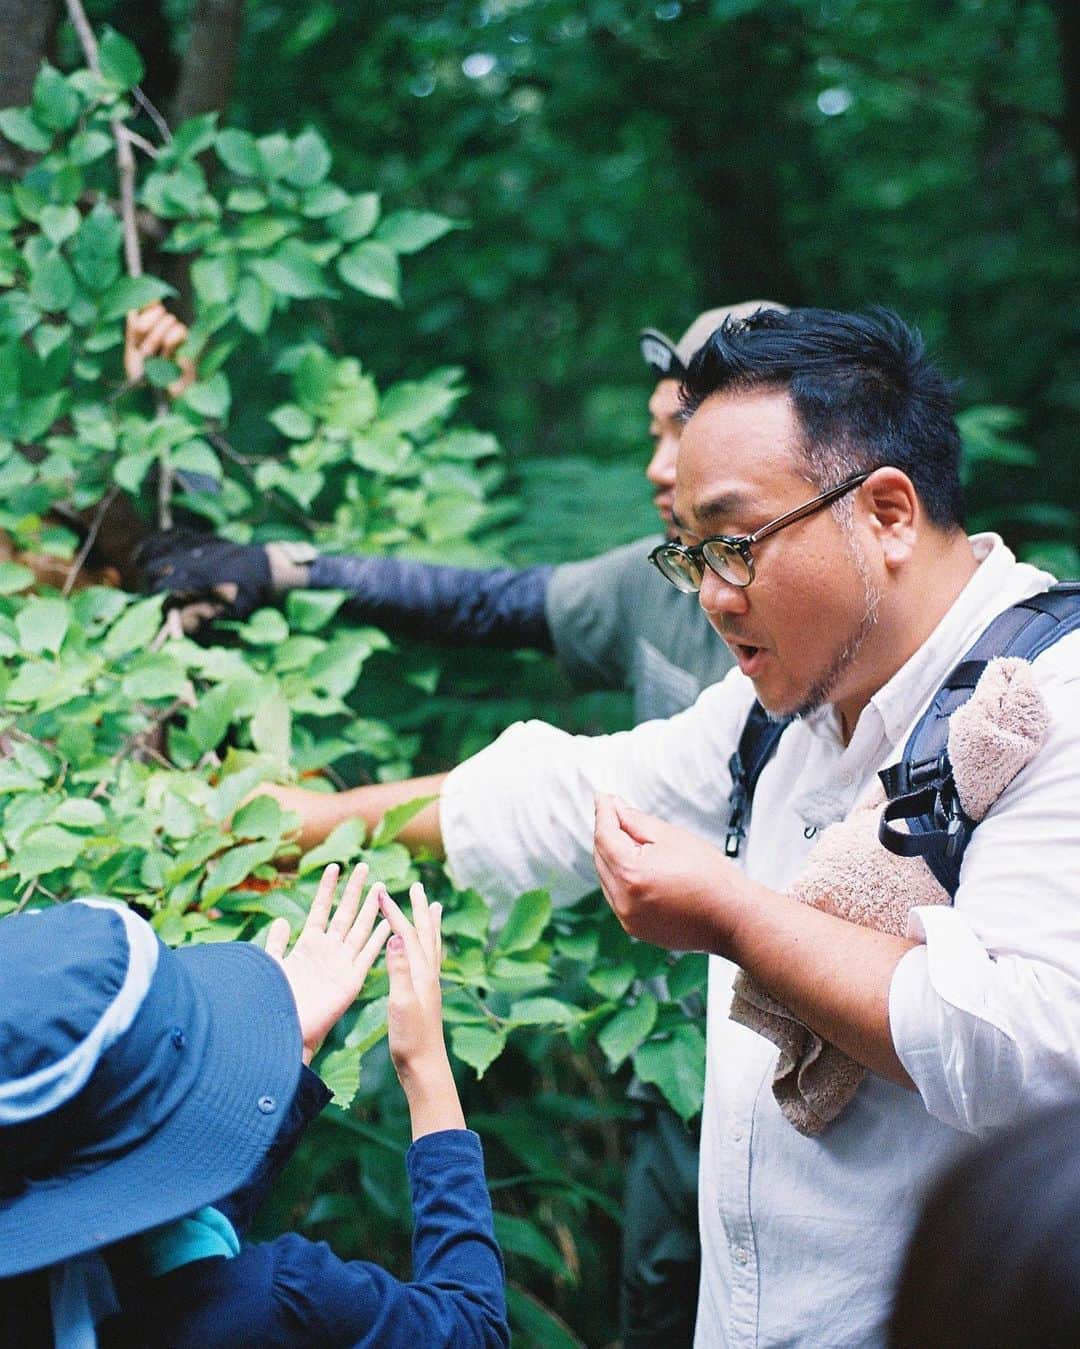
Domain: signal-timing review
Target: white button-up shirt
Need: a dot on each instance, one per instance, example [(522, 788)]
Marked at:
[(801, 1237)]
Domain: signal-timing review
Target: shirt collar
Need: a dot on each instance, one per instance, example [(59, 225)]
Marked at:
[(997, 582)]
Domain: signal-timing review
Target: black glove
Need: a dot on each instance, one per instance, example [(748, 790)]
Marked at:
[(221, 578)]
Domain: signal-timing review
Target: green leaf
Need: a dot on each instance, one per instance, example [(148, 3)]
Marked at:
[(535, 1323), (292, 271), (14, 577), (121, 64), (20, 127), (42, 624), (209, 398), (95, 252), (357, 219), (271, 727), (311, 610), (520, 1236), (478, 1046), (86, 147), (234, 867), (689, 974), (292, 421), (627, 1029), (312, 159), (372, 268), (78, 812), (543, 1012), (469, 917), (214, 279), (59, 223), (409, 231), (676, 1066), (238, 152), (55, 104), (261, 818), (193, 136), (612, 981), (136, 627), (132, 292), (326, 199), (528, 919), (370, 1026), (265, 627), (340, 1070), (340, 845), (396, 818), (52, 282), (46, 849), (254, 304), (411, 404)]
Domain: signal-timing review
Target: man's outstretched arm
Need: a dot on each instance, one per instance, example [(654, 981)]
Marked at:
[(321, 812)]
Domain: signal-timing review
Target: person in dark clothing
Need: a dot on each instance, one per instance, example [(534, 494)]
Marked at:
[(139, 1085)]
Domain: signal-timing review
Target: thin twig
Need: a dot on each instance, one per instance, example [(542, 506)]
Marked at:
[(89, 541), (147, 147), (153, 114), (28, 894), (125, 157)]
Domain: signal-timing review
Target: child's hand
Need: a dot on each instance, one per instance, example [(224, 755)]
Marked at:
[(414, 1014), (328, 965)]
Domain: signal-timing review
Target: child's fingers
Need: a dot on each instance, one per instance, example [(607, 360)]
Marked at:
[(421, 916), (277, 939), (358, 934), (324, 897), (405, 930), (436, 925), (365, 957), (345, 913), (397, 966)]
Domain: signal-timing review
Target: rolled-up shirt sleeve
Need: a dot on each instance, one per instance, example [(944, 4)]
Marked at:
[(519, 815), (985, 1012)]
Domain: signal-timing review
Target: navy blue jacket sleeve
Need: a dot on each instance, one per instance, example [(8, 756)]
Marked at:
[(502, 607), (292, 1292)]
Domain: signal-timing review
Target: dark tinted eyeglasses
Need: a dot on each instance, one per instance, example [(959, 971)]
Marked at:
[(728, 555)]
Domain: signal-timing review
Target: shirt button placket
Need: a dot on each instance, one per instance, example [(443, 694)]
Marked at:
[(740, 1234)]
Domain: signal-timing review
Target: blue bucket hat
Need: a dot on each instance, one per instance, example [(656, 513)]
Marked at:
[(137, 1083)]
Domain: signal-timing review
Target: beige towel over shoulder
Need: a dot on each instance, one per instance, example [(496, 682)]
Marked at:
[(849, 873)]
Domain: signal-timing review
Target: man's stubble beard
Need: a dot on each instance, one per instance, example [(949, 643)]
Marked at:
[(823, 688)]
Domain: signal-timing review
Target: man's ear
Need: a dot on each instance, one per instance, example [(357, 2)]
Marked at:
[(894, 513)]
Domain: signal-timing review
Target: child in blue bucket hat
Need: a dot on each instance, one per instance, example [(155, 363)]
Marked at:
[(147, 1098)]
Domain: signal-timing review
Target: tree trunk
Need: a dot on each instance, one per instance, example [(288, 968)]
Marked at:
[(28, 28), (206, 76)]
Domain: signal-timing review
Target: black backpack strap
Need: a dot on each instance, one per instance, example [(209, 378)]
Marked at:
[(757, 744), (920, 787)]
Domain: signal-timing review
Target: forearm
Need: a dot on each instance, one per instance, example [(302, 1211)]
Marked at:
[(832, 974), (433, 1099), (321, 812), (500, 607)]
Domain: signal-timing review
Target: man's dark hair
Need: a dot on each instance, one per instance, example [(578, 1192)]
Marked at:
[(864, 391)]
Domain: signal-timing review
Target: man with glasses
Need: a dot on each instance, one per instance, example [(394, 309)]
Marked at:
[(612, 623), (820, 515)]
